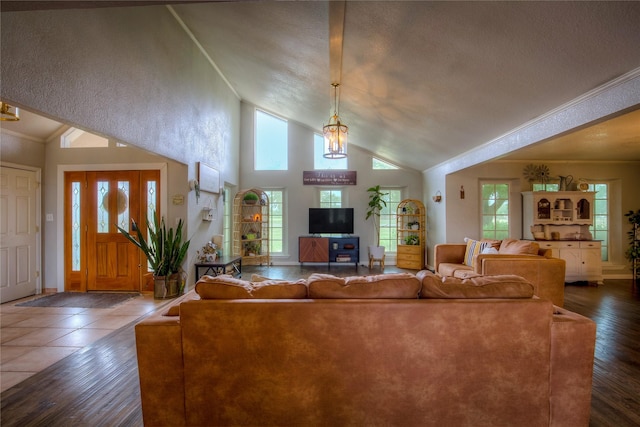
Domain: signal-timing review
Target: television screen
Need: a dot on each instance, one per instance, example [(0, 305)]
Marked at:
[(331, 220)]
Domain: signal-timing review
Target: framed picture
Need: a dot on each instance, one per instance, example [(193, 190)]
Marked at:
[(209, 178)]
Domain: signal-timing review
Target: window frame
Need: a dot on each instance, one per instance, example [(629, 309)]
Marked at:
[(504, 233)]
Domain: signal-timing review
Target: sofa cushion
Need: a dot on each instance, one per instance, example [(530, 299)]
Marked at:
[(396, 285), (479, 287), (450, 269), (518, 247), (474, 247), (226, 287)]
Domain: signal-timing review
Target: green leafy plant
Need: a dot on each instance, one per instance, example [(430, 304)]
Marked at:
[(376, 204), (412, 240), (633, 251), (164, 248), (251, 197)]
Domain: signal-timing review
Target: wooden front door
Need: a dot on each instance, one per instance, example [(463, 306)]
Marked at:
[(97, 256)]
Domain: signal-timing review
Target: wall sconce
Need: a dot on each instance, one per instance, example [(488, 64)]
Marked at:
[(195, 185), (438, 197)]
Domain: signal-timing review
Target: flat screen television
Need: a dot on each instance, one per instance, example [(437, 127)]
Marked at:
[(331, 220)]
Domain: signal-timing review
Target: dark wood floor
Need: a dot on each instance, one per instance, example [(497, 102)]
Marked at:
[(98, 386)]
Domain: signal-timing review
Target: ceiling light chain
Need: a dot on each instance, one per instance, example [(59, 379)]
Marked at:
[(335, 133)]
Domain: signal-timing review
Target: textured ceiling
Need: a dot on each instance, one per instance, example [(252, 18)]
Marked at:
[(423, 82)]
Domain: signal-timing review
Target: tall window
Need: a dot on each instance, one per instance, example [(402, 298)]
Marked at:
[(226, 222), (330, 198), (600, 228), (388, 225), (495, 210), (276, 221), (271, 142), (322, 163)]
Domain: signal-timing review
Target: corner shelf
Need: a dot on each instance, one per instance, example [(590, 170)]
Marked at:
[(251, 228)]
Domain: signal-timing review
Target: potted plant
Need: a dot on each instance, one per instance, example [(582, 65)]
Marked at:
[(412, 239), (250, 198), (376, 204), (165, 252), (633, 251)]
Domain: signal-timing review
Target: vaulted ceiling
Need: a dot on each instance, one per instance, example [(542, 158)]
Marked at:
[(421, 81)]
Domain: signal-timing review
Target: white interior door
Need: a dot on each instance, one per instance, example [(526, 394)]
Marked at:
[(18, 233)]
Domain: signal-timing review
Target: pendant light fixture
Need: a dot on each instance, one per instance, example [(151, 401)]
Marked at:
[(9, 113), (335, 133)]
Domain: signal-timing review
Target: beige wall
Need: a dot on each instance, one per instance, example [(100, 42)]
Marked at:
[(131, 75)]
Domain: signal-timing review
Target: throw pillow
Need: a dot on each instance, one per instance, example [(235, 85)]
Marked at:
[(396, 285), (518, 247), (480, 287), (474, 247), (225, 287)]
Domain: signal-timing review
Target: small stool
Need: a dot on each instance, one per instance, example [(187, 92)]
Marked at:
[(372, 260)]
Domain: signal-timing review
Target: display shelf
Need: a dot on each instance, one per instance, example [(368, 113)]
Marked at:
[(251, 227), (411, 234)]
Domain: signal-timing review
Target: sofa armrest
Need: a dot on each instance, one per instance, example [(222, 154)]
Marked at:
[(161, 371), (572, 352), (546, 274), (452, 253)]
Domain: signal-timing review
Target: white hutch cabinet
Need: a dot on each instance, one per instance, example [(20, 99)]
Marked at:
[(563, 218)]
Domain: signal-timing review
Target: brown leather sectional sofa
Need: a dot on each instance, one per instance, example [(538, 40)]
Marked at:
[(534, 264), (387, 350)]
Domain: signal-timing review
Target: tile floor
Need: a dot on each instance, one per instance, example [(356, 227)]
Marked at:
[(33, 338)]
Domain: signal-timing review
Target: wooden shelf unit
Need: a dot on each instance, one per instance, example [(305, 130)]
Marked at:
[(251, 228), (411, 213)]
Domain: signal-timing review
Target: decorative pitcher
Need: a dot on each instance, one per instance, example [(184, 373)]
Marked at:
[(565, 182)]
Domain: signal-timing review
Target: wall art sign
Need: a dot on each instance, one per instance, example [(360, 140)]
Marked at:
[(329, 177)]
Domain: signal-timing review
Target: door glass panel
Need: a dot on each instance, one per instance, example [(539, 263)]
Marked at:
[(103, 206), (75, 226), (123, 203), (151, 200)]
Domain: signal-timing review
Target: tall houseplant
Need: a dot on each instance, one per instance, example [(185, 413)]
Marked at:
[(376, 204), (164, 251), (633, 251)]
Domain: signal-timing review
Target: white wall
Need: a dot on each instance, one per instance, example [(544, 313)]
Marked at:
[(131, 75), (301, 197)]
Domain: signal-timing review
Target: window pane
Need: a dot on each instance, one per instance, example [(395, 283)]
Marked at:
[(103, 206), (276, 221), (75, 226), (322, 163), (271, 151), (495, 210), (388, 221), (378, 164), (330, 198)]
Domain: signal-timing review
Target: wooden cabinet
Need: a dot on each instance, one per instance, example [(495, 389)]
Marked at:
[(583, 259), (411, 234), (329, 249), (313, 249), (251, 227)]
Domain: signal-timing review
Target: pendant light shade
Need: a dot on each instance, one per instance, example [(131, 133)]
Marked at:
[(335, 133), (9, 113)]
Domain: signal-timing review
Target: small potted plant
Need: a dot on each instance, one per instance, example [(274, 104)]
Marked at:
[(412, 240), (414, 225), (250, 198)]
